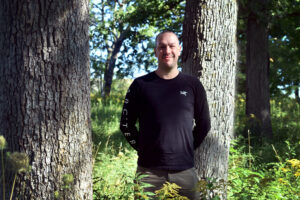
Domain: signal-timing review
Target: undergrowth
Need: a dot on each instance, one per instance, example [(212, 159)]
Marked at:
[(257, 170), (266, 169)]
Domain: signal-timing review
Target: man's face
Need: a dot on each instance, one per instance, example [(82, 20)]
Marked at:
[(167, 50)]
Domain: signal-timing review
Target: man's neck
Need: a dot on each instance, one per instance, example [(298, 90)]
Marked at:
[(167, 74)]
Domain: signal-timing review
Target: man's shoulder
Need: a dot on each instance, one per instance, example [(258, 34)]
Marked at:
[(190, 78), (193, 82), (141, 80), (146, 77)]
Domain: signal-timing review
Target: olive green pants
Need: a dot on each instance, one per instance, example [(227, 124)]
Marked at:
[(186, 179)]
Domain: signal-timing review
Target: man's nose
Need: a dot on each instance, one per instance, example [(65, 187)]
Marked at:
[(168, 49)]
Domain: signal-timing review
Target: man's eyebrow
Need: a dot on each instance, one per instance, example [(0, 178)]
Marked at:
[(162, 44)]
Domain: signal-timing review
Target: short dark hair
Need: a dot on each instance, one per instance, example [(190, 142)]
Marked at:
[(163, 32)]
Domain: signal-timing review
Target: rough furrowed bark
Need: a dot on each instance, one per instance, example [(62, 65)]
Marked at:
[(44, 95), (210, 52)]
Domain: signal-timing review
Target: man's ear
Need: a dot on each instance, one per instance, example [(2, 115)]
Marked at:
[(155, 52)]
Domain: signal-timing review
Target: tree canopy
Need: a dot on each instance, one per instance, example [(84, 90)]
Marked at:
[(283, 18), (121, 33), (284, 46)]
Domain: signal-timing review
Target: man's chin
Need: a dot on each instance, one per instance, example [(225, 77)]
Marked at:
[(168, 66)]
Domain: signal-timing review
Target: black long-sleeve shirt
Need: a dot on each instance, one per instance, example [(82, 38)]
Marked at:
[(166, 111)]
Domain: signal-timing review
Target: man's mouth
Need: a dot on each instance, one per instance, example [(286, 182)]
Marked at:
[(167, 57)]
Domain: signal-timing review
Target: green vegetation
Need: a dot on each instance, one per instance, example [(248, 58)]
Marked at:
[(170, 191), (259, 169), (115, 160), (17, 162)]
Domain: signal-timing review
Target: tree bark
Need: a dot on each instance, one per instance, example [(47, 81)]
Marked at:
[(109, 71), (210, 53), (296, 91), (257, 71), (44, 95)]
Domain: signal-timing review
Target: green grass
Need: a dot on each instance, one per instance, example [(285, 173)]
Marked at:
[(114, 159), (267, 169), (114, 173), (264, 170)]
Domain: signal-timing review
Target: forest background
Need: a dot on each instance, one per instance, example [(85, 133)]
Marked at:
[(52, 51), (122, 47)]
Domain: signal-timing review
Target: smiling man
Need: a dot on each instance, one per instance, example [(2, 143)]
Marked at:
[(166, 103), (167, 52)]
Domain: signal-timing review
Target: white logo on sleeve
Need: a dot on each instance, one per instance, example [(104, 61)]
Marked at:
[(183, 93), (125, 111), (127, 134), (132, 142), (126, 125)]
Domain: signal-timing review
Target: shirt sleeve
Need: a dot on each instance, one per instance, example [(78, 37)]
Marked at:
[(201, 115), (129, 115)]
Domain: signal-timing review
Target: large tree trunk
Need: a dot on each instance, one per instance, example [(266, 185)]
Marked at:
[(44, 94), (257, 70), (210, 52)]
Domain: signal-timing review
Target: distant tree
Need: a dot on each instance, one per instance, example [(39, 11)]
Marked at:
[(241, 43), (210, 53), (258, 69), (122, 30), (44, 95)]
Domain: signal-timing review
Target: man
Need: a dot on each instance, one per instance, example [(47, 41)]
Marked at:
[(167, 103)]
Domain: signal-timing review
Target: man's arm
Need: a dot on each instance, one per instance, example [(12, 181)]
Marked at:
[(201, 115), (129, 116)]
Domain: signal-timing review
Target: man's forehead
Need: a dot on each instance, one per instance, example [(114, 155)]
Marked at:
[(168, 37), (163, 42)]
